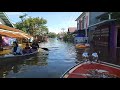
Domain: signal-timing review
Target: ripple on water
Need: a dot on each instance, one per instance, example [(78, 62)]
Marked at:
[(60, 57), (69, 61)]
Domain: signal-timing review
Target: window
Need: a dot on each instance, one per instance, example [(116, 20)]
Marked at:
[(83, 22), (78, 27)]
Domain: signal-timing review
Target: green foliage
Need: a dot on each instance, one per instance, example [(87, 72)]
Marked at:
[(33, 26), (68, 37), (52, 35)]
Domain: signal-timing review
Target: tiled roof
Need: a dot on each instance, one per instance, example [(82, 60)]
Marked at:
[(72, 29)]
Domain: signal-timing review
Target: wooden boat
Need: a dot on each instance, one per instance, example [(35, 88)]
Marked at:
[(12, 57), (93, 70), (82, 46)]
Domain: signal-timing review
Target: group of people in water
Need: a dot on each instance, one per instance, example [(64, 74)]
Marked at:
[(17, 50)]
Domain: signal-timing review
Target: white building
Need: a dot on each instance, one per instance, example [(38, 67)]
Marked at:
[(82, 26)]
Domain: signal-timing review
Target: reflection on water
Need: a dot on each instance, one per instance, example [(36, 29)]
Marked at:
[(108, 55), (61, 57)]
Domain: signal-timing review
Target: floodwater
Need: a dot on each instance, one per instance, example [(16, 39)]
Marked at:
[(61, 57)]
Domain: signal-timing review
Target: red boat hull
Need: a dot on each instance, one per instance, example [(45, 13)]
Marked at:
[(93, 70)]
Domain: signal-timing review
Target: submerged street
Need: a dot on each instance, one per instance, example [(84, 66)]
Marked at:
[(53, 44), (61, 57)]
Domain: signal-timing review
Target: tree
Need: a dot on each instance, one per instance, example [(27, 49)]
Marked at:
[(33, 26), (22, 17), (52, 35), (43, 30), (19, 25)]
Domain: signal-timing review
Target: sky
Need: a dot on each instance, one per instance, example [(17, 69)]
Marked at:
[(55, 20)]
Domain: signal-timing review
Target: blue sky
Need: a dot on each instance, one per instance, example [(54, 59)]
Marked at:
[(55, 20)]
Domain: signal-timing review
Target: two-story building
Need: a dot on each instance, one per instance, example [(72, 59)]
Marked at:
[(107, 31), (85, 20), (82, 26)]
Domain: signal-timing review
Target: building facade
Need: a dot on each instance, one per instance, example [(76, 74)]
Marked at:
[(85, 20), (107, 31)]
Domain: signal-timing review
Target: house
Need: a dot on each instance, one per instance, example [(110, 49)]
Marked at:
[(71, 30), (107, 31), (84, 21)]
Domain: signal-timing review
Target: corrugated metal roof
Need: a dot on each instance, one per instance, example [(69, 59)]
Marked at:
[(5, 18)]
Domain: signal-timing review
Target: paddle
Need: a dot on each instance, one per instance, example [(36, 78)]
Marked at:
[(46, 49)]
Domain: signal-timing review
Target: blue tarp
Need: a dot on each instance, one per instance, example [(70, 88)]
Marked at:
[(80, 35), (8, 41)]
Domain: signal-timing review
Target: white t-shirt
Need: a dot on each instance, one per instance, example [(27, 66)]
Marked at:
[(19, 50)]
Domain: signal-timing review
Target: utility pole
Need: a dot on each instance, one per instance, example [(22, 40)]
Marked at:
[(63, 29), (109, 15)]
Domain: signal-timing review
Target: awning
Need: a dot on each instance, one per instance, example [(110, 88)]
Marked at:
[(79, 32), (21, 33), (102, 22), (8, 34), (28, 36), (9, 28)]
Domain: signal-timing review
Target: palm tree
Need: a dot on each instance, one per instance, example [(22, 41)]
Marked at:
[(22, 17)]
